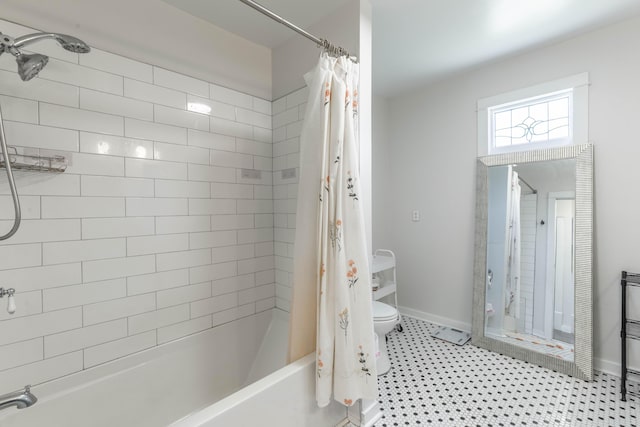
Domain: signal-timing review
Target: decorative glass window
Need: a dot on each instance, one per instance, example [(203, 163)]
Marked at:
[(548, 115), (532, 121)]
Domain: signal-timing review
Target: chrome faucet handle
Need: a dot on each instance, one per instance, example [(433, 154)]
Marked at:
[(11, 305)]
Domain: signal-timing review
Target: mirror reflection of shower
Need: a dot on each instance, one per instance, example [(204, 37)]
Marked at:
[(530, 256)]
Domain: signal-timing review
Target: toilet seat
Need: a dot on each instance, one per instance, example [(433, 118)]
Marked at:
[(383, 312)]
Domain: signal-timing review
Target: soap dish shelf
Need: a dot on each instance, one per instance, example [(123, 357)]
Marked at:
[(36, 163)]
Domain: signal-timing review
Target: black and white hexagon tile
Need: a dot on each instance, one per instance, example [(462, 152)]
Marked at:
[(433, 382)]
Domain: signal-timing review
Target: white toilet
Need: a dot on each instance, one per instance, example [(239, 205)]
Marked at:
[(385, 318)]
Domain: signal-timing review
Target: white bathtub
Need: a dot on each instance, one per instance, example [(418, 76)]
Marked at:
[(195, 381)]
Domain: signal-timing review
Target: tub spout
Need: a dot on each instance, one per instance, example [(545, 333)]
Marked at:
[(20, 399)]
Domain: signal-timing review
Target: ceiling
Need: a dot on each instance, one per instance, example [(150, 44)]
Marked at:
[(417, 42), (540, 174), (238, 18)]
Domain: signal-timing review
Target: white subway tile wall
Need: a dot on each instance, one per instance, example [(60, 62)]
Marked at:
[(288, 115), (153, 232)]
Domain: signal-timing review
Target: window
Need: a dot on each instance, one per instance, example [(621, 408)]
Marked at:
[(549, 115), (532, 121)]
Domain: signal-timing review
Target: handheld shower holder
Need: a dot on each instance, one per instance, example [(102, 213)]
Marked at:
[(11, 303), (7, 45), (5, 40)]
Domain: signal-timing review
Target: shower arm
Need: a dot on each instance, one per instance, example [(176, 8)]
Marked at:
[(21, 41), (12, 183)]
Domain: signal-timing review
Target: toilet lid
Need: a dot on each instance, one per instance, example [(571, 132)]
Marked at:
[(382, 311)]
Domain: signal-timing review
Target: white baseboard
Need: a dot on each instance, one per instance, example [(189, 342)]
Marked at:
[(363, 414), (370, 412), (601, 365), (607, 366), (432, 318)]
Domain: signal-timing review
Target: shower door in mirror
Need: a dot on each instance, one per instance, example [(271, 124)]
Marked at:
[(532, 295)]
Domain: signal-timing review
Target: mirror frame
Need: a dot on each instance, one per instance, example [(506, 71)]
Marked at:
[(582, 365)]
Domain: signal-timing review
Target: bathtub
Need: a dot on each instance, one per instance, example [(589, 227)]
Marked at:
[(231, 375)]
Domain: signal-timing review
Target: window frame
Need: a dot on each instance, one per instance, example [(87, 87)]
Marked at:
[(578, 123)]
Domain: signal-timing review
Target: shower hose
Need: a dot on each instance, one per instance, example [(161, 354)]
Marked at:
[(12, 183)]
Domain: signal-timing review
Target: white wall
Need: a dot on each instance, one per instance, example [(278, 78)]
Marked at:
[(151, 234), (381, 173), (154, 32), (433, 162)]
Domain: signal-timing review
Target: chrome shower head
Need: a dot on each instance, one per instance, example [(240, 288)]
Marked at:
[(29, 65), (72, 44)]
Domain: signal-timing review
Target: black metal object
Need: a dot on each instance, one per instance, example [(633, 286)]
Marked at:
[(628, 279)]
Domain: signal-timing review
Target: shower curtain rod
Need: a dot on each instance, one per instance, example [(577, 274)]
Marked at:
[(324, 43), (527, 184)]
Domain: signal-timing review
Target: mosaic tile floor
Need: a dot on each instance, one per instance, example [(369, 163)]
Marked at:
[(433, 382)]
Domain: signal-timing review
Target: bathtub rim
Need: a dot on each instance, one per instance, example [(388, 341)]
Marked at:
[(235, 399)]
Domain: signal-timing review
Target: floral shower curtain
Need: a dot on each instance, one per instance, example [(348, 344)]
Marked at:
[(331, 304), (512, 294)]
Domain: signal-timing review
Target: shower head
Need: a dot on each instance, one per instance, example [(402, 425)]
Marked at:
[(29, 65), (73, 44), (70, 43)]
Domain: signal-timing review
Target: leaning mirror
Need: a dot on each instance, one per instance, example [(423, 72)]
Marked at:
[(532, 294)]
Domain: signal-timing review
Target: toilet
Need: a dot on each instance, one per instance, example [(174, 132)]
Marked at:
[(385, 318)]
